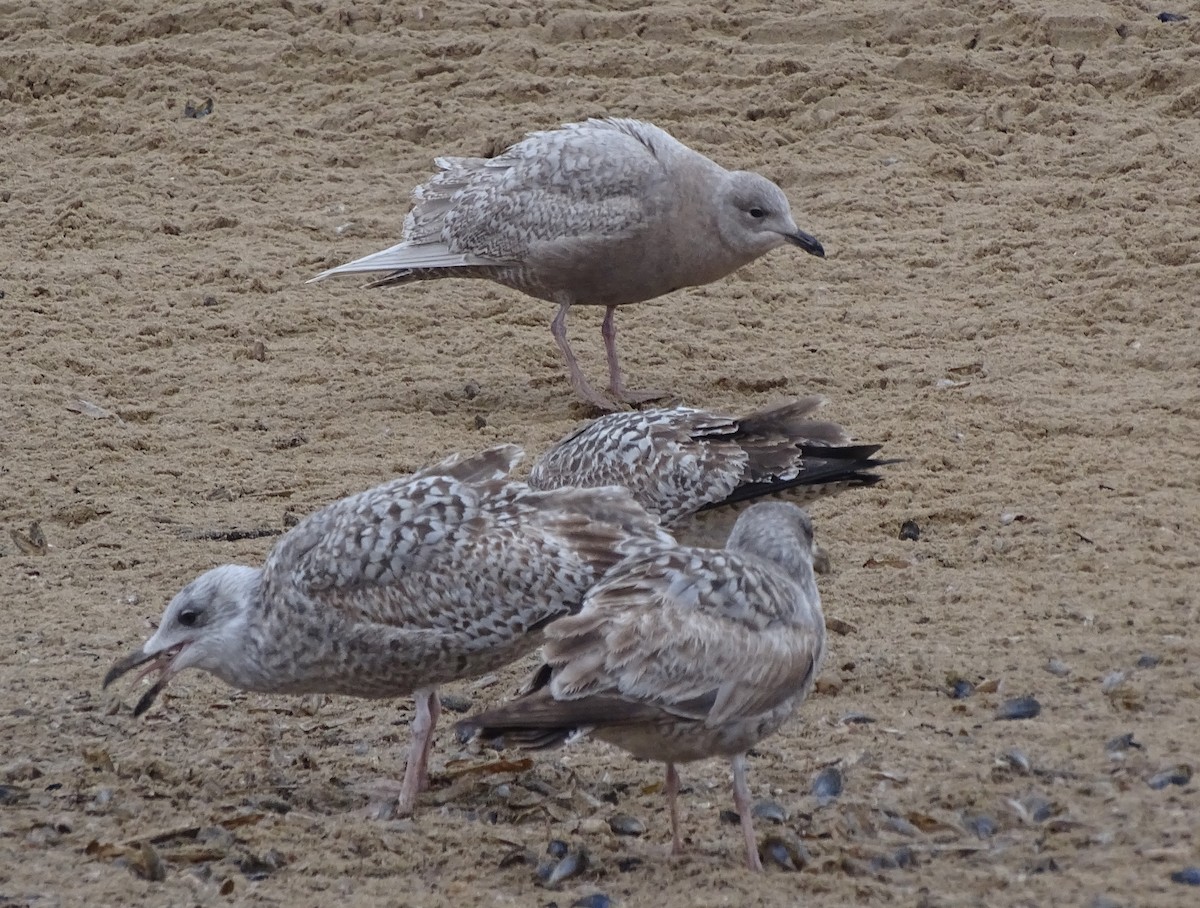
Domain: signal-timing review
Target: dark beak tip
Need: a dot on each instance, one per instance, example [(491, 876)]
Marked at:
[(125, 665), (808, 243)]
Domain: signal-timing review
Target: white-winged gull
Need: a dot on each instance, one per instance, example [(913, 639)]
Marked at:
[(682, 463), (604, 213), (443, 575), (683, 653)]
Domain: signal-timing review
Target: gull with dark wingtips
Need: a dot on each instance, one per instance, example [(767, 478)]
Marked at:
[(695, 468), (683, 653), (444, 575)]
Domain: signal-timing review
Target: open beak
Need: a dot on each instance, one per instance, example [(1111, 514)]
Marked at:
[(807, 242), (158, 662)]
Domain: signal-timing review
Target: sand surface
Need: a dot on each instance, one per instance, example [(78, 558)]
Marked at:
[(1009, 200)]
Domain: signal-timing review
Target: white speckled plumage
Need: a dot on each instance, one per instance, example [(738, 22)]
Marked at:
[(443, 575), (606, 212), (682, 653), (681, 463)]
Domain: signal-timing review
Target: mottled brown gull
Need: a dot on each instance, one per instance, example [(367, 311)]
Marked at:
[(681, 462), (604, 213), (443, 575), (683, 653)]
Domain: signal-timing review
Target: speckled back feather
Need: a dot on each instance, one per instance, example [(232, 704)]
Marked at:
[(681, 460)]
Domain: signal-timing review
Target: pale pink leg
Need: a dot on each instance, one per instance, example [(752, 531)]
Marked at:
[(579, 382), (416, 773), (616, 383), (673, 805), (741, 802)]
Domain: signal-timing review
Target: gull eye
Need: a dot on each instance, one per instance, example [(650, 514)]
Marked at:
[(757, 213), (189, 617)]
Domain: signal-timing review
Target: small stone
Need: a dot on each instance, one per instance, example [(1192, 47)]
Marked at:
[(1019, 708), (771, 811), (624, 824), (828, 785), (455, 703), (1188, 876), (1175, 775), (784, 850), (595, 900), (961, 688), (1120, 743), (981, 825), (910, 531)]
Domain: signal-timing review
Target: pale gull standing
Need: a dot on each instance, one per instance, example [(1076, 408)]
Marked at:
[(603, 213), (444, 575), (681, 463), (683, 653)]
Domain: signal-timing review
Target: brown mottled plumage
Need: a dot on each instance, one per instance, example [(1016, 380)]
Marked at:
[(681, 462), (443, 575), (683, 653), (606, 212)]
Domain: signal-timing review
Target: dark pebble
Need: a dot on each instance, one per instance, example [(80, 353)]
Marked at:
[(729, 817), (595, 900), (909, 531), (1172, 17), (1149, 660), (557, 848), (518, 855), (10, 795), (471, 390), (1040, 810), (785, 851), (1019, 761), (770, 811), (1189, 876), (827, 785), (1120, 743), (454, 703), (961, 688), (981, 825), (624, 824), (259, 868), (856, 719), (900, 858), (627, 864), (1019, 708), (196, 111), (575, 863), (1176, 775)]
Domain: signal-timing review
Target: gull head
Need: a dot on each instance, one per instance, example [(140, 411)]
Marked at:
[(778, 531), (201, 628), (754, 218)]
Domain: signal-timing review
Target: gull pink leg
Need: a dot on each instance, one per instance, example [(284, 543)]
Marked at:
[(741, 802), (579, 382), (416, 773), (616, 383), (673, 805)]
